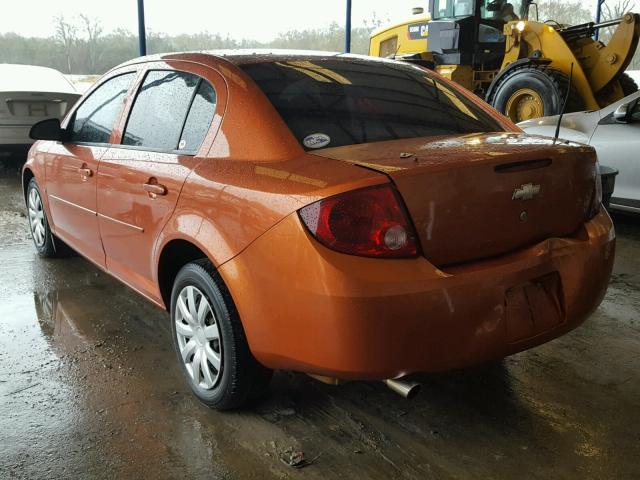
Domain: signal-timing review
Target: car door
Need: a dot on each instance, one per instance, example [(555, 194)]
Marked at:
[(618, 146), (140, 179), (71, 166)]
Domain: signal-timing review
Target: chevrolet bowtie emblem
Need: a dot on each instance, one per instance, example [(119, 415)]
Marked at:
[(526, 192)]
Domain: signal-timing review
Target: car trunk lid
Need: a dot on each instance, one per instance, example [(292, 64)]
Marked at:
[(482, 195)]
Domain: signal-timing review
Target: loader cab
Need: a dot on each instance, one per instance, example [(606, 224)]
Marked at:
[(471, 32)]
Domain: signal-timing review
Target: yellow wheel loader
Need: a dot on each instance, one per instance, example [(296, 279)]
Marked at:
[(518, 65)]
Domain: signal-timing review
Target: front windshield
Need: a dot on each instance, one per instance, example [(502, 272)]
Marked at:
[(452, 8), (504, 10)]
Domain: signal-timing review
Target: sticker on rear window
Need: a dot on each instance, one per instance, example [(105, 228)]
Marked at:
[(316, 140)]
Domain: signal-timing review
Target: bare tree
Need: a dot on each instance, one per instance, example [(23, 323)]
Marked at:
[(66, 36), (618, 9), (565, 13), (93, 31), (375, 22)]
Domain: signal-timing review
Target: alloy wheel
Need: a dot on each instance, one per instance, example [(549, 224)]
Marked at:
[(36, 217)]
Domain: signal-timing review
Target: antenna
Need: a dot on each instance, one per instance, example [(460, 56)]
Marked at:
[(564, 106)]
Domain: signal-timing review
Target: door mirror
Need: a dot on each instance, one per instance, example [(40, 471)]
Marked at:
[(621, 115), (48, 129)]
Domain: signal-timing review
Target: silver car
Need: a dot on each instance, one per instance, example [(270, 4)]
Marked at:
[(614, 131)]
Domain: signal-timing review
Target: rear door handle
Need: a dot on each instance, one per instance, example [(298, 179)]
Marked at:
[(85, 172), (154, 189)]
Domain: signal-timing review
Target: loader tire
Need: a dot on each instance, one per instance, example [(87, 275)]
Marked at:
[(534, 91), (628, 84)]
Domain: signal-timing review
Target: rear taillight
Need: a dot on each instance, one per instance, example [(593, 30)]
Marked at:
[(371, 222), (596, 199)]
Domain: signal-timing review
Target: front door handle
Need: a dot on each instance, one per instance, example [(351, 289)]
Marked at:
[(154, 189)]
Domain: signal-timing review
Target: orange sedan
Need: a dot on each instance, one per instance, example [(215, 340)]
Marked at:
[(347, 217)]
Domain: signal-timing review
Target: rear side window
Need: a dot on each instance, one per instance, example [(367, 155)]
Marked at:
[(333, 102), (160, 109), (199, 119), (94, 119)]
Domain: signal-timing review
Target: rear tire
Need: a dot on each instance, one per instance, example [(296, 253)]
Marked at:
[(210, 342), (532, 92)]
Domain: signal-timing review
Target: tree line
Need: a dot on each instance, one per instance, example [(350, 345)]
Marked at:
[(81, 46)]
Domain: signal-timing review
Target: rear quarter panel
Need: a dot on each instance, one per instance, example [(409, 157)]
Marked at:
[(225, 204)]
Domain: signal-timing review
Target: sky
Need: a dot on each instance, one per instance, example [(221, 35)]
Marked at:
[(252, 19)]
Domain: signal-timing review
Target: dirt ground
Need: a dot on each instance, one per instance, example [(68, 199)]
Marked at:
[(90, 388)]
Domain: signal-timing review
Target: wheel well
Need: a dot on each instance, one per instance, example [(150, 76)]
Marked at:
[(175, 255), (26, 178)]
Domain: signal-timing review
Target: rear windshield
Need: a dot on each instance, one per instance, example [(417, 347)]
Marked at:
[(330, 103)]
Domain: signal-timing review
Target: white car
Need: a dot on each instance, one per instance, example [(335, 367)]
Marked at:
[(29, 94), (614, 131)]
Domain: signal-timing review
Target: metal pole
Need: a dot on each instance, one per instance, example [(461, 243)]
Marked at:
[(142, 36), (599, 17), (347, 29)]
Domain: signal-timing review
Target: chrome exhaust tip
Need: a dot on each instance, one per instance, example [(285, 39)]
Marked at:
[(403, 388)]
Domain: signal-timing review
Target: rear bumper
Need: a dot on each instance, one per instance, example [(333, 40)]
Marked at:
[(310, 309), (15, 135)]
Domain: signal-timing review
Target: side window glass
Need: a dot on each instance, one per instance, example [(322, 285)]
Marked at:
[(389, 47), (489, 34), (95, 118), (463, 8), (160, 108), (199, 118)]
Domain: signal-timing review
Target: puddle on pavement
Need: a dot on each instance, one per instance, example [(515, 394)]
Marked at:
[(33, 398), (88, 381)]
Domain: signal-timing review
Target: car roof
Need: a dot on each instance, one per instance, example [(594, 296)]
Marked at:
[(246, 56), (243, 56)]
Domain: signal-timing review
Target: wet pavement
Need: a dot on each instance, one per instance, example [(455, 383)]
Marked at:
[(90, 388)]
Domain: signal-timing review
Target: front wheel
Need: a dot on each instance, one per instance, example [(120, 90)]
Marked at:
[(209, 340), (38, 223)]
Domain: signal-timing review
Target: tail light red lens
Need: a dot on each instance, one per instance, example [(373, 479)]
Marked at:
[(371, 222)]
